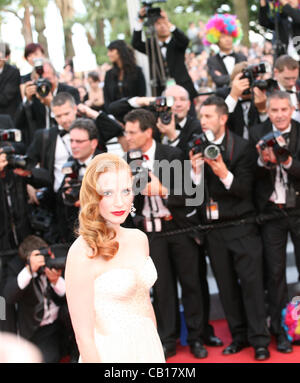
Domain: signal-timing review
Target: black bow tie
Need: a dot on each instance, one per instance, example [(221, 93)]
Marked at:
[(229, 55), (291, 92), (81, 165), (286, 136), (164, 45), (62, 132)]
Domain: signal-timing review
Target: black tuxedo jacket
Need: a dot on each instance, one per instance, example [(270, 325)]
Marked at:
[(236, 120), (235, 203), (191, 127), (286, 29), (183, 216), (32, 116), (134, 84), (175, 58), (265, 178), (28, 299), (216, 63), (10, 96)]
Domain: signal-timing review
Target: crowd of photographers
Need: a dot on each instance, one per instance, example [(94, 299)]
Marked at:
[(232, 116)]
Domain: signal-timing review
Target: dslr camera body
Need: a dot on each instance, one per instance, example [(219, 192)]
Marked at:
[(201, 143), (15, 160), (52, 263), (43, 86), (152, 13), (280, 150), (71, 170), (139, 169), (163, 106), (252, 72)]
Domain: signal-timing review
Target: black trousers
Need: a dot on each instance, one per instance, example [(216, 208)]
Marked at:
[(237, 266), (47, 339), (275, 234), (176, 257)]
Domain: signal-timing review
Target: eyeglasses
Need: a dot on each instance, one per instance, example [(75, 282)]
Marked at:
[(78, 141)]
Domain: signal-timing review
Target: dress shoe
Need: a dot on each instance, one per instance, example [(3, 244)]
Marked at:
[(234, 347), (213, 341), (261, 353), (198, 350), (169, 351), (283, 345)]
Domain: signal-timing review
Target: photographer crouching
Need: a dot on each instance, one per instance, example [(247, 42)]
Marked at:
[(35, 283), (277, 188)]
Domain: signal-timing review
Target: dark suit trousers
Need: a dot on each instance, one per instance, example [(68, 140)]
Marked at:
[(176, 257), (47, 339), (275, 235), (237, 265)]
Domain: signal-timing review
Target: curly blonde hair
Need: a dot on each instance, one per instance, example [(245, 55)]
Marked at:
[(92, 226)]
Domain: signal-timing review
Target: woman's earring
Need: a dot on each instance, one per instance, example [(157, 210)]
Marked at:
[(132, 209)]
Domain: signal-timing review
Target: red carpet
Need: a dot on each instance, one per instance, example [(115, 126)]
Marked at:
[(245, 356)]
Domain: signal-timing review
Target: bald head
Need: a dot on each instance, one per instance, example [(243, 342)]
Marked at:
[(181, 100)]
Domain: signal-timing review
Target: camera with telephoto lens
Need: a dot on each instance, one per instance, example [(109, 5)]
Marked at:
[(201, 143), (12, 135), (139, 169), (152, 13), (280, 149), (71, 170), (58, 263), (43, 86), (252, 72), (163, 107), (15, 160)]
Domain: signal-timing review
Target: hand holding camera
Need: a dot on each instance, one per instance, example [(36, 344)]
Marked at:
[(239, 85), (273, 149), (168, 129), (36, 261)]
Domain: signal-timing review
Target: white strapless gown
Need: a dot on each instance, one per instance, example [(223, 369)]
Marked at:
[(125, 331)]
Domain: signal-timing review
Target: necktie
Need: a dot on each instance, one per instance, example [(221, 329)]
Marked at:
[(291, 92), (146, 157)]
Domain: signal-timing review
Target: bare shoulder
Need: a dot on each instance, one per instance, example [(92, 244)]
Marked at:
[(137, 235), (79, 252)]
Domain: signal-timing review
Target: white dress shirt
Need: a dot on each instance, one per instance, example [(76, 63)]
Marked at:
[(229, 62)]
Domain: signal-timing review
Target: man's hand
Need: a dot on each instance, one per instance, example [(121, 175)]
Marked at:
[(169, 130), (87, 111), (144, 101), (31, 191), (36, 261), (3, 161), (267, 155), (197, 161), (166, 19), (22, 172), (154, 187), (53, 275), (239, 85), (218, 166), (30, 90), (260, 100)]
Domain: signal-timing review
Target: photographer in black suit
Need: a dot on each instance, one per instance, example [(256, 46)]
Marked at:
[(159, 209), (277, 186), (39, 292), (84, 147), (288, 24), (172, 43), (235, 252), (35, 111)]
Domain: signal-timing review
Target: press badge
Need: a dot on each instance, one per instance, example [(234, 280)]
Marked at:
[(212, 210)]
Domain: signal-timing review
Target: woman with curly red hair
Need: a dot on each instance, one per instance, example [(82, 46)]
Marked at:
[(109, 272)]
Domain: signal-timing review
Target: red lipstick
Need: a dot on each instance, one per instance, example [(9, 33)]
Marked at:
[(118, 213)]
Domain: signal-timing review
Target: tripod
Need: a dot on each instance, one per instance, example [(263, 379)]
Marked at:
[(157, 65)]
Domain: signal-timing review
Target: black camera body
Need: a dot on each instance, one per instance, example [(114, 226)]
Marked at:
[(252, 72), (12, 135), (270, 140), (139, 169), (201, 144), (152, 13), (52, 263), (163, 106), (41, 217), (15, 160), (43, 86), (71, 170)]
